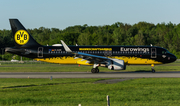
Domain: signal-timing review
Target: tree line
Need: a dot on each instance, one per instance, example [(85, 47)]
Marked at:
[(142, 33)]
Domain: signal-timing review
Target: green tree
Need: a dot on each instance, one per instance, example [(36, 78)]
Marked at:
[(83, 39)]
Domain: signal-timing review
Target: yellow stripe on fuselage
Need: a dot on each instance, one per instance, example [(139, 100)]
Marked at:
[(71, 60), (59, 60), (136, 60)]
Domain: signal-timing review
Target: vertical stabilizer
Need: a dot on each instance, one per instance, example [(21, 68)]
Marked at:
[(21, 36)]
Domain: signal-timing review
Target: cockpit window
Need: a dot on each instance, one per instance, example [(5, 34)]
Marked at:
[(167, 51), (164, 52)]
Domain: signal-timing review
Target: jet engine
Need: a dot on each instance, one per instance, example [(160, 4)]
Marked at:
[(115, 64)]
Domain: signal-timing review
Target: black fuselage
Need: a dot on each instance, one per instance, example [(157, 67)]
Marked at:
[(143, 52)]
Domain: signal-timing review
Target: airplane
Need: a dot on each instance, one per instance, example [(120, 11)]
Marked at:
[(111, 57)]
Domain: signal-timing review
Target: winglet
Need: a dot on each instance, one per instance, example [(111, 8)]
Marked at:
[(66, 47)]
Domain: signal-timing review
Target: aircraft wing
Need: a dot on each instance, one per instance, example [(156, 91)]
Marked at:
[(89, 57)]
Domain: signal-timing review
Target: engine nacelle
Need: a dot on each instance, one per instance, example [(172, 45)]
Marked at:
[(115, 64)]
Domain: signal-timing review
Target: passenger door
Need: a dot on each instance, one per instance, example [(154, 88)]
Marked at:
[(40, 52), (153, 53)]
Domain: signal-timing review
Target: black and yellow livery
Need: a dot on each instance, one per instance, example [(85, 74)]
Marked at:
[(112, 57)]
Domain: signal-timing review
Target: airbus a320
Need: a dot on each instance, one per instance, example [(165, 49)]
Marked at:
[(112, 57)]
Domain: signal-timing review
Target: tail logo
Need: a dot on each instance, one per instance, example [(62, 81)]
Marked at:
[(21, 37)]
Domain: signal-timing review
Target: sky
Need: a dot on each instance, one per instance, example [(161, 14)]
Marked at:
[(64, 13)]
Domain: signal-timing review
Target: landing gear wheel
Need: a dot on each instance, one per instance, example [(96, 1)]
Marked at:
[(152, 67), (153, 71), (95, 70)]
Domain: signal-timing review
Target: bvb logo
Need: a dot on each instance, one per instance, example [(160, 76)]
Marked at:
[(21, 37)]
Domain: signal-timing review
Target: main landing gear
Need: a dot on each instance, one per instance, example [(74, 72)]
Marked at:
[(152, 68), (95, 68)]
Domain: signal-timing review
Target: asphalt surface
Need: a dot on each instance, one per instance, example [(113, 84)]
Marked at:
[(127, 75)]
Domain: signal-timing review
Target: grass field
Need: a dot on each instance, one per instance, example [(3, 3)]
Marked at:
[(75, 68), (71, 92)]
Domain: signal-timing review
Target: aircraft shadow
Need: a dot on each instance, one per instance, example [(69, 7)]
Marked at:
[(140, 71)]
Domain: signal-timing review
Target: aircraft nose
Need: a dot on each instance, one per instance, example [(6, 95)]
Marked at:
[(173, 58)]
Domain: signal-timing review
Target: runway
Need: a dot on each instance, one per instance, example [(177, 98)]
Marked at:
[(90, 75)]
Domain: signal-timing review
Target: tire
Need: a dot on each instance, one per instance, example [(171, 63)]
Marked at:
[(153, 71), (93, 70), (97, 70)]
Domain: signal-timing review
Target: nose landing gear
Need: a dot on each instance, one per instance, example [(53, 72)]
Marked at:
[(152, 68)]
